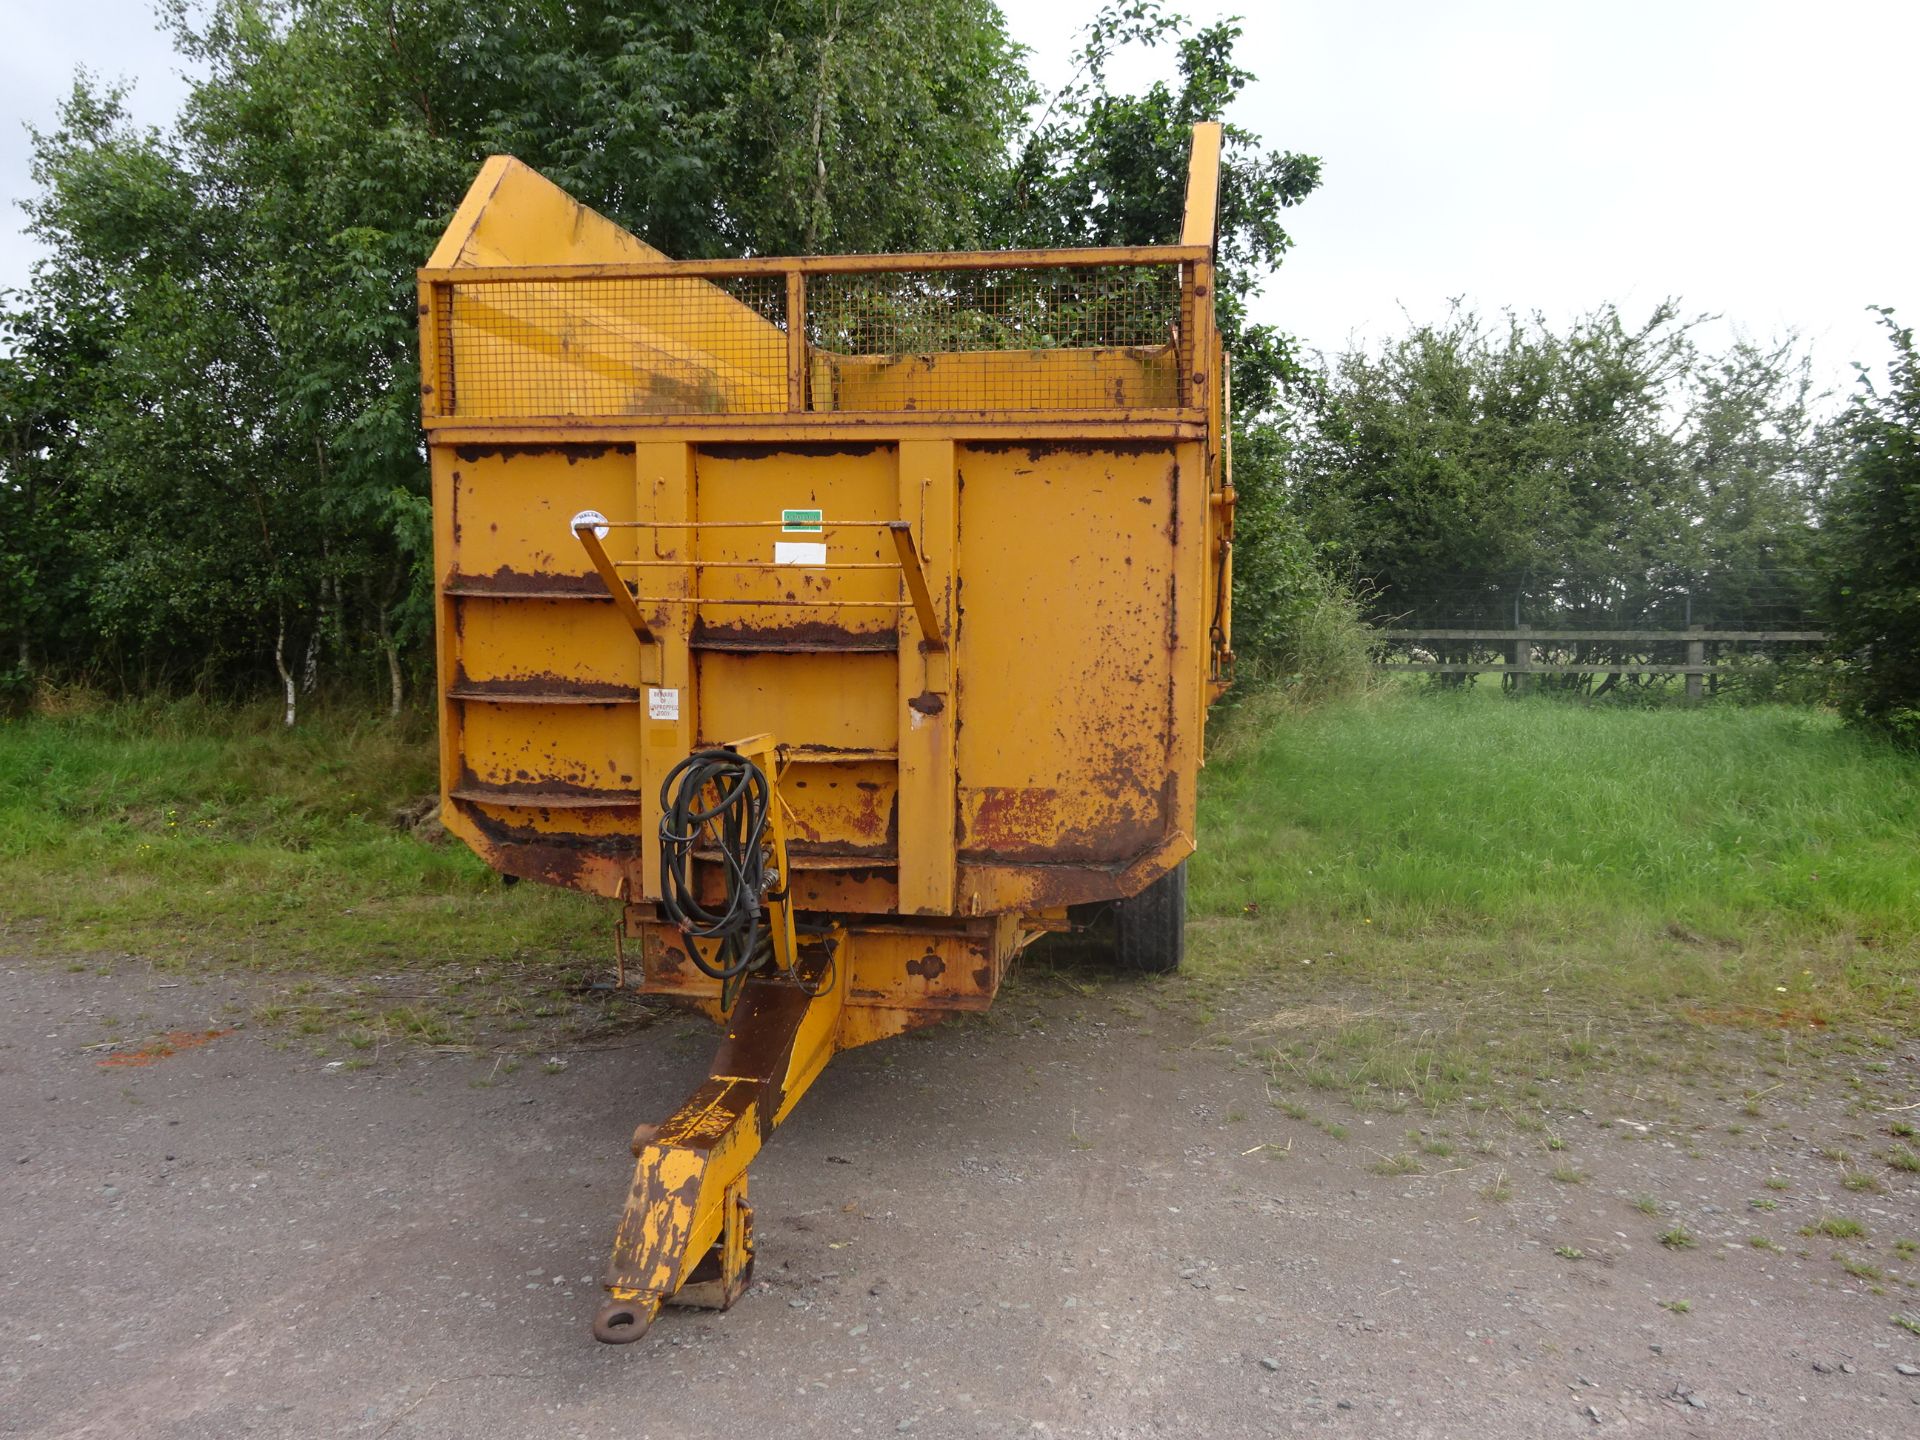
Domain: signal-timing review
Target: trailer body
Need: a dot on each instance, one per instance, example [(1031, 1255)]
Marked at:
[(945, 538)]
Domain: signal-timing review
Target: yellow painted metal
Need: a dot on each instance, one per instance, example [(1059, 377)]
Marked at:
[(760, 750), (970, 593), (1136, 378), (925, 715), (1200, 218), (449, 265)]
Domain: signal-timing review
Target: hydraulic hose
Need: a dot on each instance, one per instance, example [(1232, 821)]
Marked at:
[(717, 800)]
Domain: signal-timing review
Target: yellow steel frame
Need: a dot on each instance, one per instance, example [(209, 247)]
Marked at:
[(688, 1200)]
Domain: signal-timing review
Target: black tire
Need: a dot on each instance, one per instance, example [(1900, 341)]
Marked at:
[(1150, 929)]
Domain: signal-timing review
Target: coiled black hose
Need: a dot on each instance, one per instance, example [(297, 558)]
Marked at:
[(733, 825)]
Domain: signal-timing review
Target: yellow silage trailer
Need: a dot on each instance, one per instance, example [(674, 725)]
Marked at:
[(848, 620)]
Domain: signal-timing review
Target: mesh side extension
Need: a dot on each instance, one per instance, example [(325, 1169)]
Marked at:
[(669, 345), (997, 339), (1103, 337)]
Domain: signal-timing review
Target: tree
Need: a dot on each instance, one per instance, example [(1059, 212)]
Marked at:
[(214, 378), (141, 339), (1607, 476), (1099, 167), (1755, 464), (1872, 519), (212, 445), (1607, 473)]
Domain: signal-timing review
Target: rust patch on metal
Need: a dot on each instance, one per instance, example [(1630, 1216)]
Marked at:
[(552, 857), (750, 450), (528, 794), (927, 703), (573, 451), (172, 1043), (1014, 816), (1021, 824), (928, 967), (546, 683), (800, 637), (1076, 449), (508, 582), (761, 1033)]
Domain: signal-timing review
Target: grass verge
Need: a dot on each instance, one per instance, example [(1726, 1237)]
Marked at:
[(191, 835), (1445, 893)]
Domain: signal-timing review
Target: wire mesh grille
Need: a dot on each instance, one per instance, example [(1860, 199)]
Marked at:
[(1095, 337), (626, 346), (992, 339)]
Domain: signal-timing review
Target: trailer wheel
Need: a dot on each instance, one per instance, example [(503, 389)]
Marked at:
[(1149, 929)]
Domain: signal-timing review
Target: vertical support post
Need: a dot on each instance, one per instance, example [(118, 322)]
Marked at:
[(432, 403), (663, 490), (796, 341), (447, 630), (929, 502), (1696, 660), (1198, 222), (436, 348), (1201, 210), (1190, 498), (1520, 660), (1203, 346), (1220, 514)]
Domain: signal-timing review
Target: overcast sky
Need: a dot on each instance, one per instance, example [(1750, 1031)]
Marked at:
[(1749, 156)]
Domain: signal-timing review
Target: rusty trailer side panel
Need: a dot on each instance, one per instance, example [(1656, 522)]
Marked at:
[(1056, 764)]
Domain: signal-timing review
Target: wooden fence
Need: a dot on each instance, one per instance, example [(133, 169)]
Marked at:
[(1519, 643)]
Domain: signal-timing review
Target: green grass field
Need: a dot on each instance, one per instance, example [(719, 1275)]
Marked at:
[(189, 834), (1756, 856), (1406, 860), (1421, 899)]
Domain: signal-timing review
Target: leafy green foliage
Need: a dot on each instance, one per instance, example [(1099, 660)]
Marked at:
[(1295, 626), (211, 438), (1873, 519), (1608, 476), (1595, 474), (1100, 167), (211, 444)]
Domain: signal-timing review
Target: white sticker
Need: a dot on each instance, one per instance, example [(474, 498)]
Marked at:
[(662, 704), (799, 552), (586, 518)]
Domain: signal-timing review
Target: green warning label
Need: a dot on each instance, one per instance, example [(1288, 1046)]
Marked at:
[(800, 521)]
